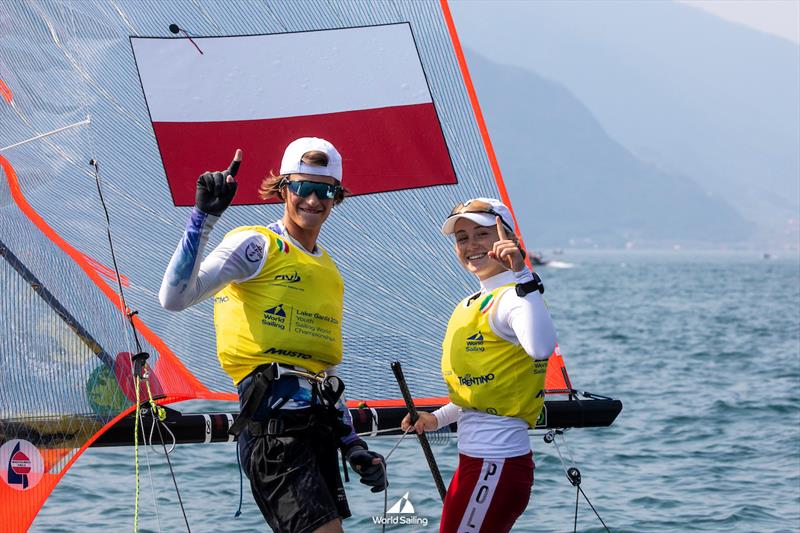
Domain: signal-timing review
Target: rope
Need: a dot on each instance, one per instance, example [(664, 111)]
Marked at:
[(241, 483), (573, 475), (386, 476), (140, 372)]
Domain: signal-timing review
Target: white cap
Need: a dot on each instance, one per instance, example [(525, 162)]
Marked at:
[(481, 218), (292, 162)]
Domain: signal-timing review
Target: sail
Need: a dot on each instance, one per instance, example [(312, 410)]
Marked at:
[(109, 82)]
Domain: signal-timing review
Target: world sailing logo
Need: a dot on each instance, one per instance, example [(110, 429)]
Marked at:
[(475, 342), (401, 513), (275, 317), (22, 464)]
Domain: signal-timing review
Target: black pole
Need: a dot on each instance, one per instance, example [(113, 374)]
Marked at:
[(423, 439), (55, 305)]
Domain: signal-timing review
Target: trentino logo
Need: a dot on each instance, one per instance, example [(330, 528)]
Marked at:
[(291, 278), (402, 512), (475, 342), (468, 380)]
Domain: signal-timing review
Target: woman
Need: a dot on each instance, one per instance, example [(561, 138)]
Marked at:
[(494, 360), (279, 299)]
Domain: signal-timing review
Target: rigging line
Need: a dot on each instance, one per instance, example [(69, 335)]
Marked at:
[(123, 303), (171, 446), (169, 463), (593, 509), (575, 521), (573, 474), (386, 477), (150, 473), (88, 120)]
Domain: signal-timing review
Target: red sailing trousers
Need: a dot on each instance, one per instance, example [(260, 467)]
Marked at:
[(487, 495)]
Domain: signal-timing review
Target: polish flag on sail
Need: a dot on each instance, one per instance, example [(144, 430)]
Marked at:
[(363, 89)]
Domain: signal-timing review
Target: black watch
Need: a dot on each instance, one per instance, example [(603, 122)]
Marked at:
[(534, 285)]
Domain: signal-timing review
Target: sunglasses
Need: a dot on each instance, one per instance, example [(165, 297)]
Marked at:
[(324, 191), (478, 206)]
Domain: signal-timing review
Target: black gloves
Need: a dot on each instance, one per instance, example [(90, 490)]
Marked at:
[(214, 191), (373, 475)]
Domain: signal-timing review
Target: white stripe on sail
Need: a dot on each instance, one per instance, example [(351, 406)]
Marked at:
[(283, 75)]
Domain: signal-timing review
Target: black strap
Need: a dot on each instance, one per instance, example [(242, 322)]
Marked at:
[(534, 285), (262, 378)]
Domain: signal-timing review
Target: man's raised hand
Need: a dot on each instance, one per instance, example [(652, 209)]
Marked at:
[(215, 190)]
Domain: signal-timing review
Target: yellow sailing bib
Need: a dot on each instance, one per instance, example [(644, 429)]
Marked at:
[(290, 312), (485, 372)]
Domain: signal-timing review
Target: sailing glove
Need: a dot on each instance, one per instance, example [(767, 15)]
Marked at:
[(214, 192), (373, 475)]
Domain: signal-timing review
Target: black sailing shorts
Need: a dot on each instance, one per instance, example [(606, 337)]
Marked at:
[(296, 482), (295, 478)]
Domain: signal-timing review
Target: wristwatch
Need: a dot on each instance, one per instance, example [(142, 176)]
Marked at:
[(534, 285)]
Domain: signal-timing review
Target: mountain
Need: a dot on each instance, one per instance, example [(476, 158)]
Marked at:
[(693, 94), (572, 184)]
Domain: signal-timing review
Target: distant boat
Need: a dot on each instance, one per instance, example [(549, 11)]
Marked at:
[(537, 259)]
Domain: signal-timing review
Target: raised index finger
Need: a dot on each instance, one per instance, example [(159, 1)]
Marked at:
[(501, 232), (237, 160)]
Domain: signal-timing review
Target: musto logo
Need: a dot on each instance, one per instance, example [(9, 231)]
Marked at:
[(288, 353), (21, 464), (468, 380), (401, 513)]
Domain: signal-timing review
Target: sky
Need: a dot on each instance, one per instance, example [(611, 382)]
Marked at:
[(777, 17)]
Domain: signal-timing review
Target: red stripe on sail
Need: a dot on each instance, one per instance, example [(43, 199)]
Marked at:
[(386, 149)]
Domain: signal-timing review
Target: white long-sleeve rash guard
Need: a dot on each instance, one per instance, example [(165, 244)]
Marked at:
[(520, 320), (239, 257)]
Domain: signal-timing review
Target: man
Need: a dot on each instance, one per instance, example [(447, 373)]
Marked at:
[(279, 299)]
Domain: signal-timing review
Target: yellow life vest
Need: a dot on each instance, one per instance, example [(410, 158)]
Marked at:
[(485, 372), (290, 312)]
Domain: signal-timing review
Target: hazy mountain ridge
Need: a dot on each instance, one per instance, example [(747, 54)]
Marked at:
[(572, 184), (682, 89)]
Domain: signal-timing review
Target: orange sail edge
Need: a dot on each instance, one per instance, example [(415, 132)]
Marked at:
[(172, 372), (20, 506), (5, 92), (476, 108)]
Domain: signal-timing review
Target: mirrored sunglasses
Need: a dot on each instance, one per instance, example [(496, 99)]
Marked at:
[(477, 206), (324, 191)]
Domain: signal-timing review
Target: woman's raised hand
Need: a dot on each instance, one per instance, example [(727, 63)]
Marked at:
[(425, 422), (506, 251)]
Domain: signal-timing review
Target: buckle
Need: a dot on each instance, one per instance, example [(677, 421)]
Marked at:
[(274, 427), (534, 285)]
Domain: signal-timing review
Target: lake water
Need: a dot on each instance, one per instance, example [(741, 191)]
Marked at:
[(702, 348)]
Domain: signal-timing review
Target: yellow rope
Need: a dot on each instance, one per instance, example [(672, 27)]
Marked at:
[(136, 456)]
